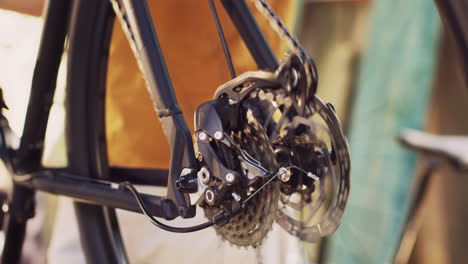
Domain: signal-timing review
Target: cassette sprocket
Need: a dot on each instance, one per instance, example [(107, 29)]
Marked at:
[(253, 218)]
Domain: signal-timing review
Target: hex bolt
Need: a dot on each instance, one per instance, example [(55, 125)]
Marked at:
[(202, 136), (218, 135), (236, 197), (204, 175), (250, 176), (284, 174), (209, 196), (230, 177)]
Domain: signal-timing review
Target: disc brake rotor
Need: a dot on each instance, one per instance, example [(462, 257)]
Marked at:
[(313, 201)]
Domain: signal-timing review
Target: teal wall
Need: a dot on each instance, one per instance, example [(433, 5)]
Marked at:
[(393, 91)]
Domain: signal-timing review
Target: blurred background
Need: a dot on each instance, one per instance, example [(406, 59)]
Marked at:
[(385, 65)]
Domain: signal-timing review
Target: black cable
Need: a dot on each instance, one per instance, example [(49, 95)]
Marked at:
[(140, 202), (222, 39), (155, 222)]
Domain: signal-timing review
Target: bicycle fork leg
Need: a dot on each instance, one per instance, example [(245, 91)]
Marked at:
[(17, 213)]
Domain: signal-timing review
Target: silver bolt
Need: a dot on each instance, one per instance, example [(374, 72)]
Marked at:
[(186, 171), (218, 135), (295, 77), (231, 101), (204, 175), (209, 196), (284, 174), (251, 176), (202, 136), (236, 196), (250, 190), (230, 177)]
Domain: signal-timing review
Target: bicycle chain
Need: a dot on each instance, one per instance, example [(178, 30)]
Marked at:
[(293, 44), (120, 13)]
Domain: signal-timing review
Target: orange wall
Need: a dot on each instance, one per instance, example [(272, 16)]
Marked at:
[(196, 63)]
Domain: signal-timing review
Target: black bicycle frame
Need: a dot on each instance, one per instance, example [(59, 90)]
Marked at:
[(25, 162)]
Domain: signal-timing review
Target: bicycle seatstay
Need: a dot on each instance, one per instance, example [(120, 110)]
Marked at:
[(137, 24)]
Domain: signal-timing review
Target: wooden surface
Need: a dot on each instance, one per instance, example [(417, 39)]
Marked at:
[(334, 36), (393, 91), (443, 237)]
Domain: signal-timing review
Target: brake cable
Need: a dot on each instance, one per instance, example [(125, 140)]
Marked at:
[(129, 186), (157, 223)]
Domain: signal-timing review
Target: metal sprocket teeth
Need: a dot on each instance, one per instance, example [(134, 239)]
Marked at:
[(250, 225)]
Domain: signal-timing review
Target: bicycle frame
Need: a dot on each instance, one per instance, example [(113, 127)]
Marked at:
[(24, 162)]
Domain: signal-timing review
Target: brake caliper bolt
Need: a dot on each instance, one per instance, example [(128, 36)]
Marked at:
[(202, 136), (230, 177)]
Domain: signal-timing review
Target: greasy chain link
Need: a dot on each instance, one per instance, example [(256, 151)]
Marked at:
[(278, 26)]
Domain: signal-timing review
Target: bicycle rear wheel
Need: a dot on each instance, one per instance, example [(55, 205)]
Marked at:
[(89, 36)]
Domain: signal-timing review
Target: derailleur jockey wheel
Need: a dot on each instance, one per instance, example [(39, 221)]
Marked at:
[(267, 152)]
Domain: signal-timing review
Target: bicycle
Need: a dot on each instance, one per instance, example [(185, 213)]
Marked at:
[(299, 157)]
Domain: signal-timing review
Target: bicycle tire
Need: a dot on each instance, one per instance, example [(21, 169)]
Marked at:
[(90, 30)]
